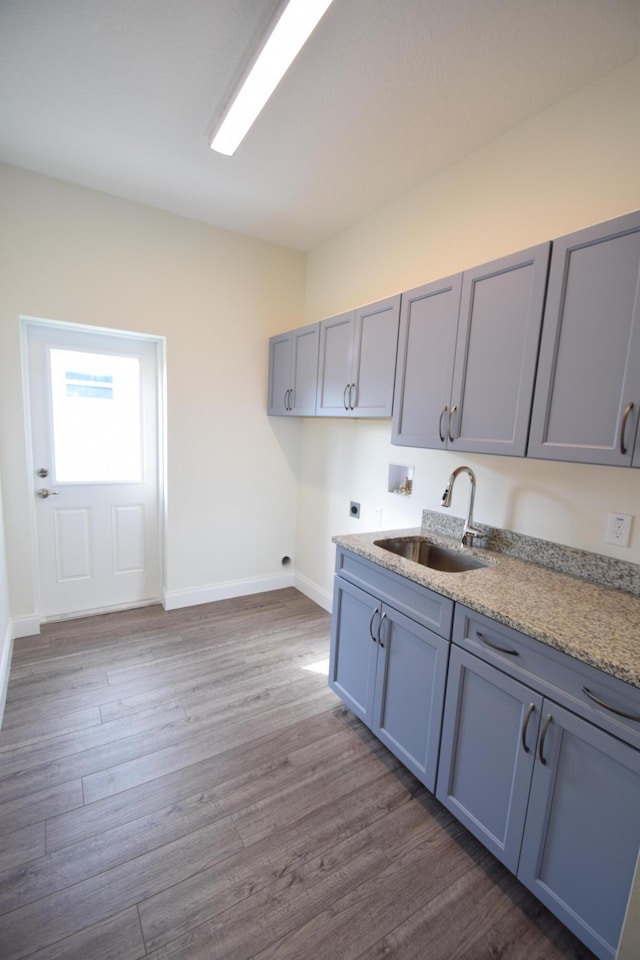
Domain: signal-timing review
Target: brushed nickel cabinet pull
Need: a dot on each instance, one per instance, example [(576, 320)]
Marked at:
[(373, 616), (440, 433), (382, 619), (494, 646), (451, 413), (344, 396), (607, 706), (623, 427), (543, 737), (525, 726), (351, 403)]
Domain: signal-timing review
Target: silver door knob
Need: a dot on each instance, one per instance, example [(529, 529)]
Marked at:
[(43, 493)]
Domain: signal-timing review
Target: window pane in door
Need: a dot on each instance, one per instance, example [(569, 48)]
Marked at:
[(96, 410)]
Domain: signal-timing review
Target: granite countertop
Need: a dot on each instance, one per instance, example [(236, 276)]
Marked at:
[(596, 624)]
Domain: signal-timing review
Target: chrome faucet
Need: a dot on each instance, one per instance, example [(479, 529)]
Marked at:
[(469, 531)]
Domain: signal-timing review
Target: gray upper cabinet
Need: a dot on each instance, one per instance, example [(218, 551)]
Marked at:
[(496, 353), (358, 361), (587, 398), (426, 350), (467, 357), (334, 374), (293, 372)]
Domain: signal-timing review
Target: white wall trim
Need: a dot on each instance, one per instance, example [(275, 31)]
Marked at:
[(5, 667), (174, 599), (25, 627), (322, 597)]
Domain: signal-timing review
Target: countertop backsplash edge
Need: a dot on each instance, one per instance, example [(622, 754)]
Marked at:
[(594, 567)]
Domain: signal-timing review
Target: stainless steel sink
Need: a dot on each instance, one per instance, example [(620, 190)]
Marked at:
[(430, 555)]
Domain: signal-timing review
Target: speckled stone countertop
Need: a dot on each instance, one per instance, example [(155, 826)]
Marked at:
[(591, 622)]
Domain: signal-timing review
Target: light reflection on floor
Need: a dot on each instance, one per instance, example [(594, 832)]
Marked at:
[(320, 666)]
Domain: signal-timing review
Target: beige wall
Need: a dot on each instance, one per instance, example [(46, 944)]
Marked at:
[(572, 165), (76, 255)]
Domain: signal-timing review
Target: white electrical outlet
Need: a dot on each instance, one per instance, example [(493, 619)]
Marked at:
[(619, 529)]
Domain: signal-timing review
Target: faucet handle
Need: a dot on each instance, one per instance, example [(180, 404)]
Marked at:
[(469, 535)]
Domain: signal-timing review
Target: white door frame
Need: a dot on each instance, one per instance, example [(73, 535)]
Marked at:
[(161, 368)]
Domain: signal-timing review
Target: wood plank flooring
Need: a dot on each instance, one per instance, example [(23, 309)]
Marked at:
[(184, 786)]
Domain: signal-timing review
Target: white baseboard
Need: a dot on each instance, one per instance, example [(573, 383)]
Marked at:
[(5, 666), (174, 599), (25, 627), (322, 597)]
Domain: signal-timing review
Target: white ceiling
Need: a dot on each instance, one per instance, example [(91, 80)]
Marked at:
[(120, 96)]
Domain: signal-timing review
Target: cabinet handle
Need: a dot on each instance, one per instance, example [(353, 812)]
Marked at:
[(286, 400), (525, 727), (440, 433), (494, 646), (623, 427), (451, 413), (543, 737), (373, 616), (607, 706), (351, 403), (344, 396), (382, 619)]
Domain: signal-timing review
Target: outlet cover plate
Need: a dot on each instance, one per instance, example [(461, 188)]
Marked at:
[(619, 529)]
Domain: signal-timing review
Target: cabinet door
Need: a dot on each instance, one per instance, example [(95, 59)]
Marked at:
[(587, 397), (496, 353), (426, 348), (583, 827), (279, 375), (374, 358), (335, 386), (409, 693), (354, 648), (304, 370), (489, 733)]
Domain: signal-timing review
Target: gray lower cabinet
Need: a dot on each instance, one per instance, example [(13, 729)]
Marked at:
[(293, 372), (358, 361), (489, 733), (536, 753), (587, 397), (391, 671), (467, 356), (411, 674), (553, 795), (582, 831)]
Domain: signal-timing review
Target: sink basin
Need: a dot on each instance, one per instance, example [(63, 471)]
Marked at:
[(431, 555)]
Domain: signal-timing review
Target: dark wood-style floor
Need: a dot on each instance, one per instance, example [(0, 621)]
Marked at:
[(184, 786)]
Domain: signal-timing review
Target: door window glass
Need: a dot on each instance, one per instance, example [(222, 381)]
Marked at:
[(96, 411)]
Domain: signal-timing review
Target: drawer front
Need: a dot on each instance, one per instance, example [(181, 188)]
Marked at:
[(415, 601), (570, 682)]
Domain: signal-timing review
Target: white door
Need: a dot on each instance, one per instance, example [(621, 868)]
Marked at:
[(94, 429)]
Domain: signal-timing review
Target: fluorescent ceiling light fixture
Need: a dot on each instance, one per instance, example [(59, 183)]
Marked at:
[(289, 35)]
